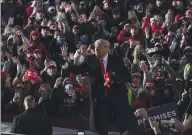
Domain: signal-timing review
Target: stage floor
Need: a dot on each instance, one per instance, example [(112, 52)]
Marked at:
[(6, 128)]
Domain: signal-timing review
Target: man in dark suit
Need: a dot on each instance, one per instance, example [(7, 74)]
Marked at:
[(105, 98), (32, 121)]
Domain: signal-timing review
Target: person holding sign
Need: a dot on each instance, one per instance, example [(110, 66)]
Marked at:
[(179, 127)]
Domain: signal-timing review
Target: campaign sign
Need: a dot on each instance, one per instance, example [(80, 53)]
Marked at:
[(163, 112)]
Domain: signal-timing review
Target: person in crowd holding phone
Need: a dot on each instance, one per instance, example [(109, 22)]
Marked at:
[(44, 101), (104, 98), (50, 73), (31, 121), (59, 94), (15, 106)]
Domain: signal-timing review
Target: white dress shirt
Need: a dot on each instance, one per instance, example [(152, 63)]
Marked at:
[(105, 59)]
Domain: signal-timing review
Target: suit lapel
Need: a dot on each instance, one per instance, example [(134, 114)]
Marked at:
[(109, 62)]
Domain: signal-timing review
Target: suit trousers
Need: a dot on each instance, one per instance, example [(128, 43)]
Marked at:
[(124, 117)]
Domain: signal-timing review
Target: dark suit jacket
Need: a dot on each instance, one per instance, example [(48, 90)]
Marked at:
[(92, 66), (105, 99), (32, 122)]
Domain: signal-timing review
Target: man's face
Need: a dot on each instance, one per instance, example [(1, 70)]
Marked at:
[(82, 6), (45, 32), (69, 89), (59, 38), (83, 48), (114, 30), (106, 6), (132, 16), (3, 23), (44, 93), (150, 90), (136, 80), (116, 16), (39, 15), (19, 3), (127, 29), (148, 14), (73, 17), (159, 3), (34, 37), (76, 31), (52, 70), (179, 4), (38, 3), (17, 97), (134, 31), (101, 50), (3, 55)]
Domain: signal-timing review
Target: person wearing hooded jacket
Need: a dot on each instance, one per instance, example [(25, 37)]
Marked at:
[(36, 43)]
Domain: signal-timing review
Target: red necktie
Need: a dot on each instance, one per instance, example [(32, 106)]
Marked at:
[(102, 67)]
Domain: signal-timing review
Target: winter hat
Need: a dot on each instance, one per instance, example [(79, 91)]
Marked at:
[(84, 39), (75, 27), (31, 74), (67, 81), (177, 17), (29, 11), (52, 63), (116, 11), (34, 32)]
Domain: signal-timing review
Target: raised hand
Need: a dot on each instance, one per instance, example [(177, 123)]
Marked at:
[(179, 127), (64, 52), (8, 55), (40, 100), (11, 20), (79, 79), (46, 63), (16, 60), (20, 33), (143, 66), (154, 125), (58, 82), (142, 112), (71, 56)]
